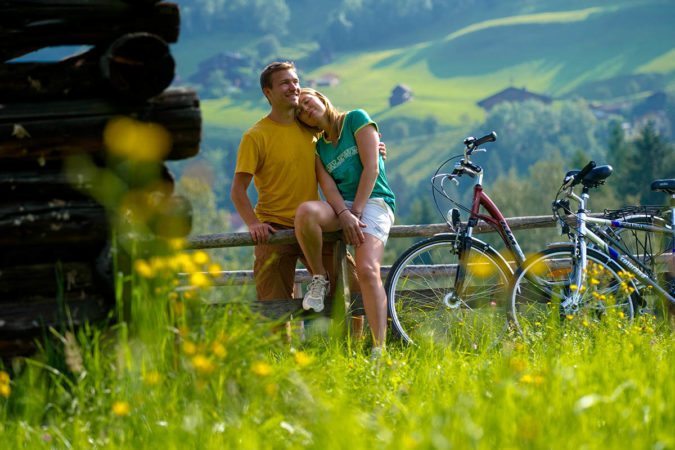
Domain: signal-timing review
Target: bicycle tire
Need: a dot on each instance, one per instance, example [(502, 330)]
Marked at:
[(648, 247), (645, 245), (543, 282), (420, 292)]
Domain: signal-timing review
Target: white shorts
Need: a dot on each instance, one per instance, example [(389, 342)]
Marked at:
[(378, 217)]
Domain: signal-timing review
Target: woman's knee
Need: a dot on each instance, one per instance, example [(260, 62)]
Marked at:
[(368, 271), (306, 212)]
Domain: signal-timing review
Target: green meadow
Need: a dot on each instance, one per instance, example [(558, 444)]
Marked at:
[(186, 373), (553, 51)]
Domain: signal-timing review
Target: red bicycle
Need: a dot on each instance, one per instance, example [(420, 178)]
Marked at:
[(454, 284)]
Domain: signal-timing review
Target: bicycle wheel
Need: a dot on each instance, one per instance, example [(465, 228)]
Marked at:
[(651, 249), (543, 283), (424, 304), (646, 246)]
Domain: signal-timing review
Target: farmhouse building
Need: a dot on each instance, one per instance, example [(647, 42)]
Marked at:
[(512, 94), (400, 94)]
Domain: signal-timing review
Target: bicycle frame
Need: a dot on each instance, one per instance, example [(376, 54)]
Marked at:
[(495, 218), (627, 262)]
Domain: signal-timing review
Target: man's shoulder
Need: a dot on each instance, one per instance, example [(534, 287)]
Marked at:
[(259, 127)]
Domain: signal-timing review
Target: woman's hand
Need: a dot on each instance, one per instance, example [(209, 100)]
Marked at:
[(351, 228)]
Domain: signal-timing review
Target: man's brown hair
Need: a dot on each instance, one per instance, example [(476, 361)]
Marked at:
[(266, 75)]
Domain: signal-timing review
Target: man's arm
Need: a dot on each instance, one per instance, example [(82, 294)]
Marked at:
[(259, 231)]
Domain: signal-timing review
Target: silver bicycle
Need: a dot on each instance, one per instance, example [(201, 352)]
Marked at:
[(614, 262)]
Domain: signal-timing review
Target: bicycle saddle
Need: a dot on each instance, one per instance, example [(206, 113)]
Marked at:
[(666, 185), (595, 177)]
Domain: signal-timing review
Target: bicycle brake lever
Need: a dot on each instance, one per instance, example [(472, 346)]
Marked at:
[(478, 150)]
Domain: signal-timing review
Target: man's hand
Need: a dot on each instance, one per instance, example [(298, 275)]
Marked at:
[(382, 148), (260, 232)]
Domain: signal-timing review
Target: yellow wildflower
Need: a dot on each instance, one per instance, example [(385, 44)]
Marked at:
[(569, 317), (177, 244), (215, 269), (203, 365), (139, 141), (121, 408), (5, 390), (303, 359), (4, 377), (200, 257), (143, 268), (219, 350), (531, 379), (152, 378), (574, 287), (189, 348), (261, 368), (199, 279), (594, 281)]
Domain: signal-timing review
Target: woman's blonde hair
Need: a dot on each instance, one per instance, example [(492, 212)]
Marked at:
[(335, 116)]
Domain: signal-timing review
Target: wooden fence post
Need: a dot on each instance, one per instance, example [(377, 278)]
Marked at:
[(341, 294)]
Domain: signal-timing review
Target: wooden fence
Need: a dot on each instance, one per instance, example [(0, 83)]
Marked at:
[(346, 303)]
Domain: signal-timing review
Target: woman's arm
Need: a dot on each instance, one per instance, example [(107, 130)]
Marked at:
[(350, 224), (328, 187), (367, 142)]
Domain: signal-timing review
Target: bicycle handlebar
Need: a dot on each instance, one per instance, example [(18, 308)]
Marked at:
[(585, 171), (472, 143)]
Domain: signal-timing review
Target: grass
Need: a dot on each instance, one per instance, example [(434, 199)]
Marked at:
[(184, 374)]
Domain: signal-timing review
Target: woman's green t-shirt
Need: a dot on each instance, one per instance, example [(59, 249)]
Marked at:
[(343, 163)]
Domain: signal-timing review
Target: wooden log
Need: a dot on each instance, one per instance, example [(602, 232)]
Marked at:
[(223, 240), (42, 182), (55, 130), (136, 65), (57, 222), (26, 26), (41, 279), (29, 315)]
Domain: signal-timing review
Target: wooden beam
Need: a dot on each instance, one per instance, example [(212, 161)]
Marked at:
[(26, 26), (135, 65), (55, 130)]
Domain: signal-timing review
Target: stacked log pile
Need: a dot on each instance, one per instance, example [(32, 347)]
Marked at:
[(55, 208)]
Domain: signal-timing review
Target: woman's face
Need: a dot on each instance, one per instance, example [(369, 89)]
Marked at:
[(310, 110)]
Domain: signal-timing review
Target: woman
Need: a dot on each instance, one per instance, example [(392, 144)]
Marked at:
[(351, 174)]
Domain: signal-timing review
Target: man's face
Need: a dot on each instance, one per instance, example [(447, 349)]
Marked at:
[(285, 90)]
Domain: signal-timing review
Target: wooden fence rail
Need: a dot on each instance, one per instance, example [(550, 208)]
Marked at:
[(281, 308)]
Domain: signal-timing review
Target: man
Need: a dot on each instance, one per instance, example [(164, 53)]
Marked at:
[(278, 155)]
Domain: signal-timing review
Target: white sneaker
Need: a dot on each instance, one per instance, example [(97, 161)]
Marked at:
[(316, 292)]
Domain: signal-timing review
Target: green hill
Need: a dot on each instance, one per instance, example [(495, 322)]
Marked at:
[(553, 52)]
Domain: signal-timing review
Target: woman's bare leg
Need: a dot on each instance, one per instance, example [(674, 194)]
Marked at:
[(311, 220), (368, 259)]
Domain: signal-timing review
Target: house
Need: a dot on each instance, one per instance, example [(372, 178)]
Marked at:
[(400, 94), (512, 94), (326, 80)]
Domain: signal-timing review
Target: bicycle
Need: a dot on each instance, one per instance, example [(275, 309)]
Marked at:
[(453, 281), (615, 272)]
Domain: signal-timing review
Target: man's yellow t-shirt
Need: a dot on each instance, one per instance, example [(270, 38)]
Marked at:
[(281, 159)]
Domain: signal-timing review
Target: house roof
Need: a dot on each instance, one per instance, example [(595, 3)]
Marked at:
[(512, 94)]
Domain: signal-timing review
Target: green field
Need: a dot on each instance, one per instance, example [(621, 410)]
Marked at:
[(552, 52), (184, 374)]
